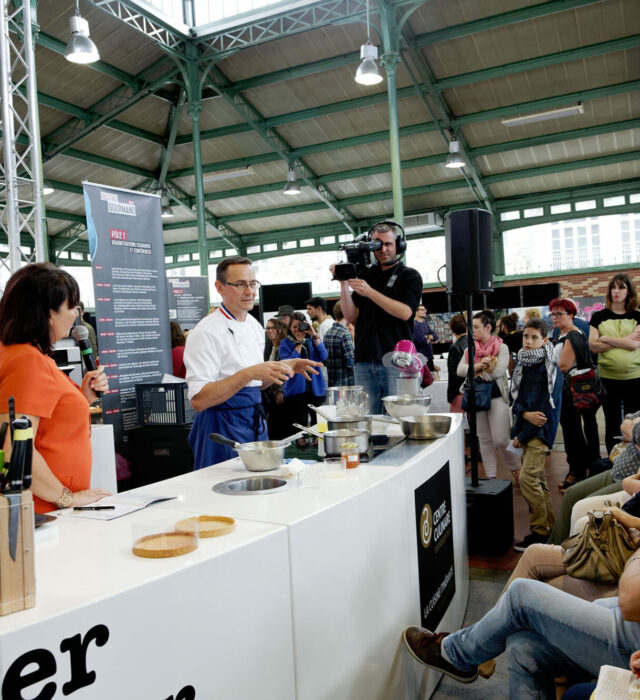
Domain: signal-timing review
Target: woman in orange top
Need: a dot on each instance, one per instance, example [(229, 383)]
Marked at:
[(38, 308)]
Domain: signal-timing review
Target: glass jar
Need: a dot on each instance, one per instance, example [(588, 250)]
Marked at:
[(350, 455)]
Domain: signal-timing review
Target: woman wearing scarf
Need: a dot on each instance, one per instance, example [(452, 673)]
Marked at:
[(536, 388), (490, 365), (580, 430), (298, 392)]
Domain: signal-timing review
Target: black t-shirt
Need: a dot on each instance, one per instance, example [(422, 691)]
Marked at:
[(377, 332), (513, 341)]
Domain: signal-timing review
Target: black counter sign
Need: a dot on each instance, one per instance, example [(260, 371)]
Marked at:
[(436, 573)]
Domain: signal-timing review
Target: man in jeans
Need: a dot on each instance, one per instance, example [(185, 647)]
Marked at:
[(382, 307), (546, 633)]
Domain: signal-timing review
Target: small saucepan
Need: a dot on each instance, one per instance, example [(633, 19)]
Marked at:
[(260, 456), (351, 422), (334, 439)]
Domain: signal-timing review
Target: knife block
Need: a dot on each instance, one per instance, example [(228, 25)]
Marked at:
[(17, 578)]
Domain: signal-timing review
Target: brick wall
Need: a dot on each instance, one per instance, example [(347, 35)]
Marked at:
[(589, 284)]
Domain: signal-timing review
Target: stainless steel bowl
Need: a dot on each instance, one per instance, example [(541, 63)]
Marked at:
[(425, 427), (407, 405)]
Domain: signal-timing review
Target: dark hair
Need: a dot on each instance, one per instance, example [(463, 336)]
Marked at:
[(458, 324), (384, 227), (623, 280), (337, 311), (281, 328), (31, 293), (297, 316), (539, 325), (221, 269), (317, 301), (564, 305), (177, 336), (509, 322), (487, 317)]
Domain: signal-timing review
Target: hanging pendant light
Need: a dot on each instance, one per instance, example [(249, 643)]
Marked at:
[(47, 187), (454, 159), (368, 72), (292, 186), (80, 48), (165, 208)]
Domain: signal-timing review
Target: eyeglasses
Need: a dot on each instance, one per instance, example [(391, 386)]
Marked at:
[(254, 284), (558, 313)]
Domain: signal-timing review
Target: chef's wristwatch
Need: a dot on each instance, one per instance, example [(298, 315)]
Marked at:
[(66, 499)]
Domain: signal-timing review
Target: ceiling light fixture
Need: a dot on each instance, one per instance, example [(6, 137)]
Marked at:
[(454, 159), (543, 116), (368, 72), (165, 208), (47, 187), (80, 48), (227, 174), (292, 186)]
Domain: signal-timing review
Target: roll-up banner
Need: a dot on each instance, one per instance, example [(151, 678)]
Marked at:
[(127, 258), (188, 300)]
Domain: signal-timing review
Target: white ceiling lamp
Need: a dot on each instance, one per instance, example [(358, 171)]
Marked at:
[(454, 159), (47, 187), (227, 174), (368, 72), (292, 186), (544, 116), (80, 48), (165, 208)]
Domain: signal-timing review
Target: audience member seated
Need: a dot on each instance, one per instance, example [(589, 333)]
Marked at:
[(545, 632), (627, 463)]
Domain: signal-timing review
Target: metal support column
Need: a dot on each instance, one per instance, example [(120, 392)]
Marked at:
[(21, 207), (390, 59), (194, 108)]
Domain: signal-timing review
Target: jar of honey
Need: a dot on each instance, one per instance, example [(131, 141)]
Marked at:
[(350, 455)]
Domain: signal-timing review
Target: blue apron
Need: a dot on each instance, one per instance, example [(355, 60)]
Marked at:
[(240, 418)]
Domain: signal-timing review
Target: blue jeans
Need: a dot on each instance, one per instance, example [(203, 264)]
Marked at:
[(374, 379), (547, 633)]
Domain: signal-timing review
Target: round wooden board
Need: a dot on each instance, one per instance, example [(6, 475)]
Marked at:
[(165, 544), (206, 525)]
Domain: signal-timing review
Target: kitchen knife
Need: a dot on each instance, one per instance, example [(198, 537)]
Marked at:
[(14, 521)]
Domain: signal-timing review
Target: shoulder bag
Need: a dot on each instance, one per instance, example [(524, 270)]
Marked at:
[(482, 398), (599, 553), (585, 386)]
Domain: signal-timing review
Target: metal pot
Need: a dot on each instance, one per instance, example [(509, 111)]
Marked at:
[(425, 427), (407, 404), (260, 456), (334, 439), (344, 422)]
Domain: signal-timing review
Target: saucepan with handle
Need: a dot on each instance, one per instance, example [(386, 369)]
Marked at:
[(334, 439), (259, 456)]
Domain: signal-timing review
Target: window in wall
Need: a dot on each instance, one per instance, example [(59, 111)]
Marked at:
[(595, 244), (569, 257), (583, 251), (555, 248), (625, 237)]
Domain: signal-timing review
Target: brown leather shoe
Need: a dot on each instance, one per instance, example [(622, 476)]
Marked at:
[(424, 646), (486, 669)]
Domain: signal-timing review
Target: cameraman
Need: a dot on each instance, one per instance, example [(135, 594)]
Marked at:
[(382, 307), (302, 341)]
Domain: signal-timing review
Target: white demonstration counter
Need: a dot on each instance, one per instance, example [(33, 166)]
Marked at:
[(306, 599)]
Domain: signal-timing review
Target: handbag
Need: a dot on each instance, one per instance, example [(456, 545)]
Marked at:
[(483, 395), (599, 553), (587, 390)]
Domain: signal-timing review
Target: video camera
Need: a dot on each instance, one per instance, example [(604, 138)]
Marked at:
[(359, 257)]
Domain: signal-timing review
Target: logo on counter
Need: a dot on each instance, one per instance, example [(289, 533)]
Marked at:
[(426, 526)]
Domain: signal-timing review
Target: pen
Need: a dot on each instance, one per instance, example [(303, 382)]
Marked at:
[(94, 508)]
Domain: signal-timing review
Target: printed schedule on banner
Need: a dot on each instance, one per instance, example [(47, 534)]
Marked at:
[(127, 258), (188, 300)]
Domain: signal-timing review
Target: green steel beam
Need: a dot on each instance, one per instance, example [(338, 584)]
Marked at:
[(550, 218), (219, 83), (108, 162), (500, 20), (164, 34), (610, 159), (553, 59), (548, 102), (172, 131)]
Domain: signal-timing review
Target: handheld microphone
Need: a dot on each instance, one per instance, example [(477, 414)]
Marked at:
[(81, 336)]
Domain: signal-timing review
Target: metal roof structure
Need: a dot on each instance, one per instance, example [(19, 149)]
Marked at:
[(215, 115)]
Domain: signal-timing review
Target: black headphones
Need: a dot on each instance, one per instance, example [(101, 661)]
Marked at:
[(401, 239)]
